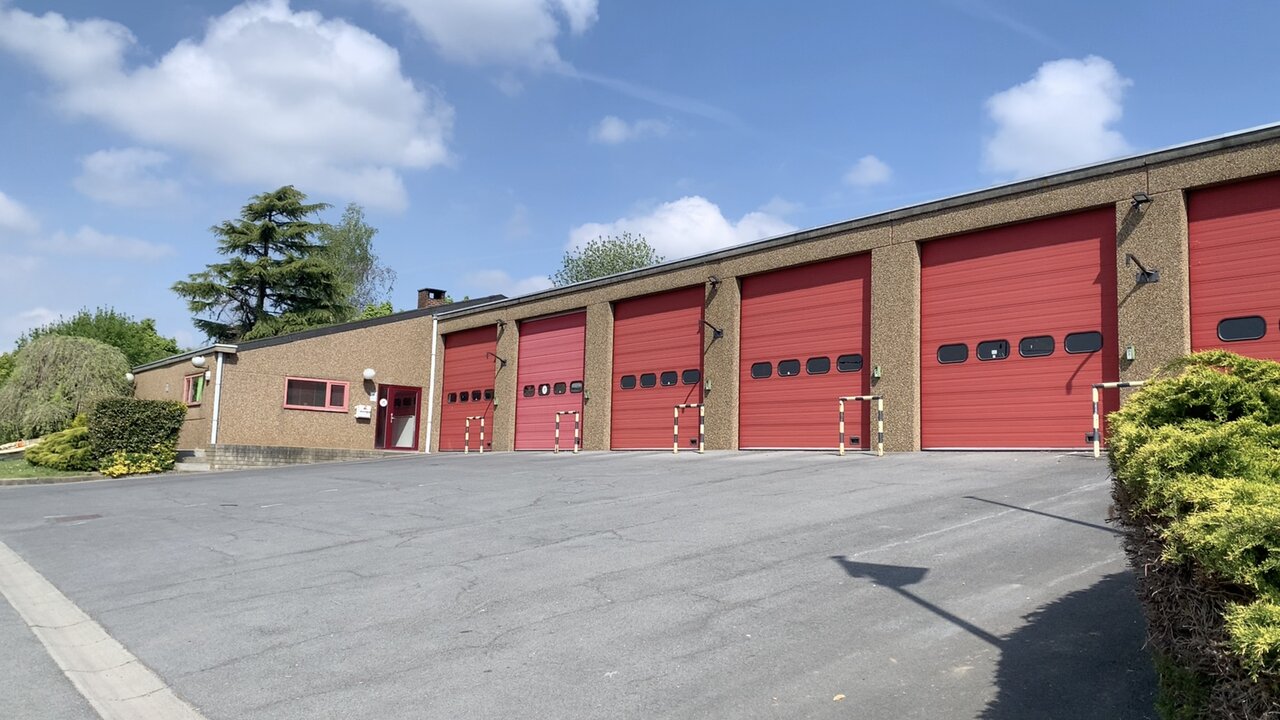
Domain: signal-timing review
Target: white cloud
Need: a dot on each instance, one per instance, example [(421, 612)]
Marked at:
[(129, 177), (781, 207), (268, 96), (89, 242), (613, 130), (869, 171), (15, 219), (1060, 118), (498, 32), (14, 325), (489, 282), (686, 226)]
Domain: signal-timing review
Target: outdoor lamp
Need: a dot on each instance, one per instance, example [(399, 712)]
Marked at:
[(369, 373), (198, 361), (128, 377)]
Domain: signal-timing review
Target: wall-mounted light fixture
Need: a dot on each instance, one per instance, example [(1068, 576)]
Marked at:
[(1140, 199), (128, 377), (501, 362), (1144, 275), (502, 324), (716, 333), (370, 373), (713, 281), (198, 361)]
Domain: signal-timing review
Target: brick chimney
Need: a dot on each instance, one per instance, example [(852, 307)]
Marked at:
[(431, 297)]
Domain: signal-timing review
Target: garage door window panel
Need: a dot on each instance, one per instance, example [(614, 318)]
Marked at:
[(648, 380), (761, 370), (628, 382), (1083, 342), (788, 368), (1242, 328), (1038, 346), (849, 363), (953, 354), (993, 350)]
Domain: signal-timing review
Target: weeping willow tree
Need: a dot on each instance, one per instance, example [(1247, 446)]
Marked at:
[(55, 378)]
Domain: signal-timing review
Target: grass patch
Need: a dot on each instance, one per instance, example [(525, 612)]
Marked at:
[(15, 467)]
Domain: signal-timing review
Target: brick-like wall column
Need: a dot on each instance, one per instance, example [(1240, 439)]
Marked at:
[(504, 387), (598, 378), (895, 341), (1154, 317), (720, 363)]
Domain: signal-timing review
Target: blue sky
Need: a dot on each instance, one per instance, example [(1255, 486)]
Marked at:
[(484, 137)]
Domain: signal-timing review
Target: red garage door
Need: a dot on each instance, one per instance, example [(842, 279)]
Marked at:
[(1235, 263), (657, 364), (468, 386), (549, 379), (1016, 324), (804, 334)]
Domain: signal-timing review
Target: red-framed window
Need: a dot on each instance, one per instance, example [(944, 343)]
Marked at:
[(193, 389), (315, 394)]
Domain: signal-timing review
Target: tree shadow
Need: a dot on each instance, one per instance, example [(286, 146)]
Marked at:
[(1080, 656)]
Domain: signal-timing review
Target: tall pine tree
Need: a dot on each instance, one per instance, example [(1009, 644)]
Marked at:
[(276, 278)]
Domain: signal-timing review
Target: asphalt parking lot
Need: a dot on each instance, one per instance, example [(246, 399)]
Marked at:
[(625, 585)]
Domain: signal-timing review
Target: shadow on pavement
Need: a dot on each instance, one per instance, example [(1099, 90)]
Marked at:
[(1080, 656)]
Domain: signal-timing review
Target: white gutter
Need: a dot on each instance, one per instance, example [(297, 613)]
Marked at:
[(217, 401), (431, 384)]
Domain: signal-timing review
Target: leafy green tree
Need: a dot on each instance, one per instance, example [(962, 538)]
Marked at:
[(606, 255), (55, 378), (349, 247), (381, 309), (137, 339), (276, 278), (6, 367)]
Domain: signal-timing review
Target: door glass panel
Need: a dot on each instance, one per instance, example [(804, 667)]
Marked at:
[(993, 349), (849, 363), (669, 378), (690, 377), (1083, 342), (1242, 328), (818, 365), (957, 353), (761, 370), (787, 368), (627, 382), (560, 388), (1039, 346), (648, 380)]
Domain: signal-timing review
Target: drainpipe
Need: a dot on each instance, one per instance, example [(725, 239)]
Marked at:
[(217, 401), (431, 384)]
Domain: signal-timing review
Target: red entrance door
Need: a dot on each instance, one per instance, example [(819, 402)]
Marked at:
[(398, 412)]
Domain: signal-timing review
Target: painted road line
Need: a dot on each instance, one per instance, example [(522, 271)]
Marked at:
[(112, 679)]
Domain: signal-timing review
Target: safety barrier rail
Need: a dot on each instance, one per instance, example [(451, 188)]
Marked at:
[(879, 400), (1096, 435), (702, 426), (577, 425), (466, 438)]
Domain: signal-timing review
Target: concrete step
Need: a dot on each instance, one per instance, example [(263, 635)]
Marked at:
[(192, 467)]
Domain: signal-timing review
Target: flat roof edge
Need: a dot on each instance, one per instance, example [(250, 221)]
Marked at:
[(226, 348), (1172, 153)]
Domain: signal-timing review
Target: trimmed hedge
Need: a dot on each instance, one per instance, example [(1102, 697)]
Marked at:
[(1196, 456), (133, 425)]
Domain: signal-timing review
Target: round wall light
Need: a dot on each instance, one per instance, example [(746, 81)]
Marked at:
[(369, 373), (198, 361), (128, 377)]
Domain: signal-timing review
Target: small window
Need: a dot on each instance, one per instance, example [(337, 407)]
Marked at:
[(950, 354), (818, 365), (993, 349), (1083, 342), (464, 396), (453, 397), (648, 380), (761, 370), (475, 396), (1242, 328), (690, 377), (788, 368), (528, 391), (193, 389), (560, 388), (669, 378), (1038, 346), (309, 394), (488, 394), (849, 363), (575, 386), (544, 389), (628, 382)]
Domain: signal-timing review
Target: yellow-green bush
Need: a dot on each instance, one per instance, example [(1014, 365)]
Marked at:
[(68, 450), (1196, 456), (123, 462)]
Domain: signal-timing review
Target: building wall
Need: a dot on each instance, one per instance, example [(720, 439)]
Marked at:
[(1152, 317), (253, 392), (166, 383)]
